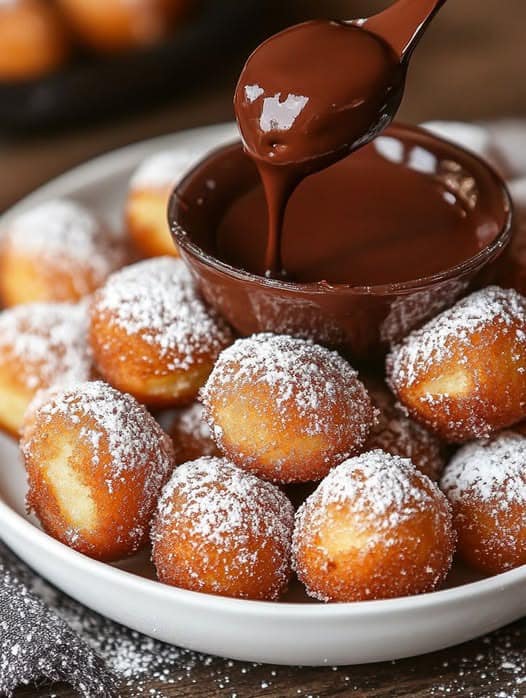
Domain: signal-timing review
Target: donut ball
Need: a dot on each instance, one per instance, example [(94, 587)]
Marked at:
[(152, 335), (96, 461), (41, 345), (116, 25), (285, 408), (399, 435), (463, 375), (148, 195), (375, 528), (486, 485), (221, 530), (32, 38), (191, 434), (56, 251)]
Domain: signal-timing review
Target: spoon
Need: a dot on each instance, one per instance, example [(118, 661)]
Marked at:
[(315, 92)]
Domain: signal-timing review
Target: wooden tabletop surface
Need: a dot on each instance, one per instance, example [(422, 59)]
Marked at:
[(490, 667), (470, 66)]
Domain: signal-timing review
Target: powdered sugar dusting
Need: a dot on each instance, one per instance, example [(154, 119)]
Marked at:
[(399, 435), (451, 331), (221, 505), (68, 238), (191, 433), (109, 422), (157, 300), (47, 342), (303, 377), (386, 490), (489, 471), (369, 509)]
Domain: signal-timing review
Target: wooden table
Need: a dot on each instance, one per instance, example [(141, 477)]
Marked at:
[(470, 65), (491, 667)]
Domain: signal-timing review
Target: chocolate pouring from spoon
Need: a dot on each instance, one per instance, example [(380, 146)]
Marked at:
[(315, 92)]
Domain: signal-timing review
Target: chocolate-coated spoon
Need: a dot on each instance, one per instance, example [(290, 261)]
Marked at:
[(315, 92)]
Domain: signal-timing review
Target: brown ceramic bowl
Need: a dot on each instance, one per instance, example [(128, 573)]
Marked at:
[(361, 321)]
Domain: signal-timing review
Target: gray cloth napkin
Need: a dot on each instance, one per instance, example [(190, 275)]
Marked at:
[(36, 644)]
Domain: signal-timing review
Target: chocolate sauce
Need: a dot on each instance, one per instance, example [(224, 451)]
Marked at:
[(314, 93), (392, 212), (402, 207), (298, 115)]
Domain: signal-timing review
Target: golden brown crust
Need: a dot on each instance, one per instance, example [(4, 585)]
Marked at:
[(485, 483), (152, 335), (463, 375), (220, 530), (286, 409), (375, 528), (146, 222), (96, 462), (398, 434), (56, 251), (190, 434)]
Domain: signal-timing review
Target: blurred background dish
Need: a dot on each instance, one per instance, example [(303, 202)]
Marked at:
[(106, 83)]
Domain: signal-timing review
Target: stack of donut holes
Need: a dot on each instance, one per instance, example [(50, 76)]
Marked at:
[(247, 463)]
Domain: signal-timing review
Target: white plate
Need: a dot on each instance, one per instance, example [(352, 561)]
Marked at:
[(283, 633)]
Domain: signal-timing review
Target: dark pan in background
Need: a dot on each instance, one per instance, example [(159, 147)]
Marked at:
[(91, 87)]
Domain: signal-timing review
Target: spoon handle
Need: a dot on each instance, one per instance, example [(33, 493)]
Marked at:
[(402, 24)]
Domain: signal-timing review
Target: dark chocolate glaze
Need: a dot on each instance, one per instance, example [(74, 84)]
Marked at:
[(407, 208), (308, 97), (312, 94)]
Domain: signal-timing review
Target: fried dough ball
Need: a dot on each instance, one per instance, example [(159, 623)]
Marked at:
[(190, 434), (221, 530), (32, 39), (486, 486), (96, 461), (285, 408), (399, 435), (41, 345), (116, 25), (152, 335), (56, 251), (375, 528), (148, 195), (463, 375)]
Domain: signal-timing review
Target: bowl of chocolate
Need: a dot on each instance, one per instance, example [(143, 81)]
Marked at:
[(373, 246), (327, 223)]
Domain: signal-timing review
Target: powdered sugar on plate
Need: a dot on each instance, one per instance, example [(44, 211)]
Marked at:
[(47, 343), (157, 301)]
